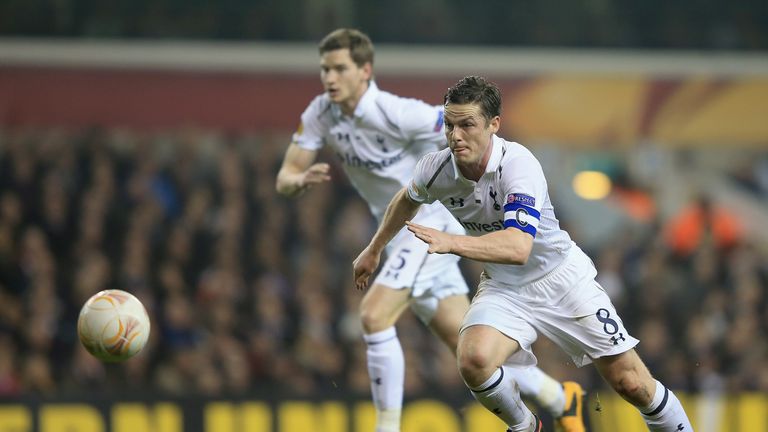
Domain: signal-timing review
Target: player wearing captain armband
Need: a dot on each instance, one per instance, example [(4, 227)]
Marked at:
[(535, 277), (378, 138)]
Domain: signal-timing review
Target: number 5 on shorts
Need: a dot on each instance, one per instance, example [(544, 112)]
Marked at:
[(395, 266)]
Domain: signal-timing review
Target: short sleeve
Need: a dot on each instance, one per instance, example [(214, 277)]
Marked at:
[(423, 122), (310, 133), (417, 187), (525, 190)]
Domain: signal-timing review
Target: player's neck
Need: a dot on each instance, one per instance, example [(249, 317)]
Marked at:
[(349, 106), (474, 170)]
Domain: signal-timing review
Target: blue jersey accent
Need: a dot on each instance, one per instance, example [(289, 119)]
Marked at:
[(513, 223), (530, 210), (439, 123)]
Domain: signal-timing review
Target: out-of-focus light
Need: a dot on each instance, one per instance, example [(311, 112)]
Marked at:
[(591, 185)]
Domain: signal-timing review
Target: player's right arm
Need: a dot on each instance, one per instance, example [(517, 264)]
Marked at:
[(401, 209), (299, 172)]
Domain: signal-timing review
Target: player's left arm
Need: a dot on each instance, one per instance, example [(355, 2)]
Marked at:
[(508, 246), (524, 189)]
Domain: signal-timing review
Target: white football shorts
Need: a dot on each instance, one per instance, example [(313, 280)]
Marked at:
[(567, 305), (432, 277)]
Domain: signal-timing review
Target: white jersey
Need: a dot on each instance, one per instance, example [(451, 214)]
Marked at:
[(379, 145), (511, 193)]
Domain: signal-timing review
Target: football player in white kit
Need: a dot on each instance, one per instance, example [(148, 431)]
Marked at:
[(535, 278), (378, 138)]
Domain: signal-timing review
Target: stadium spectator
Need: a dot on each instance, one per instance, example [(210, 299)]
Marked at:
[(702, 221)]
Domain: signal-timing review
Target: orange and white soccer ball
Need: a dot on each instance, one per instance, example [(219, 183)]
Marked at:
[(113, 325)]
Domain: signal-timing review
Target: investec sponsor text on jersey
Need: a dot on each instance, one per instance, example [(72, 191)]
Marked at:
[(479, 226), (356, 162)]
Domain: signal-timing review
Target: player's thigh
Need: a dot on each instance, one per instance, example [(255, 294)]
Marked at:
[(482, 346), (382, 306), (406, 258), (494, 307), (447, 320), (585, 324), (443, 299)]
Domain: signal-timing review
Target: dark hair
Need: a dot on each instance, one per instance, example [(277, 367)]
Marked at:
[(358, 43), (474, 89)]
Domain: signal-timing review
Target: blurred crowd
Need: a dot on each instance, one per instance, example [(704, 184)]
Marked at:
[(247, 290), (708, 25)]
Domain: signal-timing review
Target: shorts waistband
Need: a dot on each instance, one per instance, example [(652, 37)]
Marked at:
[(554, 271), (542, 278), (575, 268)]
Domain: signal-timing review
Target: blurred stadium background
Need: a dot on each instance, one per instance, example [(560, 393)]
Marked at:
[(138, 147)]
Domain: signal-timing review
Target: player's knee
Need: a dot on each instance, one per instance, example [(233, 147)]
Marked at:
[(475, 366), (373, 321)]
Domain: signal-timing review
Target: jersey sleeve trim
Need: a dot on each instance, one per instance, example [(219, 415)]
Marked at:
[(440, 168)]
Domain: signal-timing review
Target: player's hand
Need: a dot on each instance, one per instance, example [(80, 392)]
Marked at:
[(363, 267), (315, 174), (438, 241)]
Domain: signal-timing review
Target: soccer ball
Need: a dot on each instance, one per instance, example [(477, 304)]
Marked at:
[(113, 325)]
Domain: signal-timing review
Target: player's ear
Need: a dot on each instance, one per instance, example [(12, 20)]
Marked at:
[(495, 124), (368, 71)]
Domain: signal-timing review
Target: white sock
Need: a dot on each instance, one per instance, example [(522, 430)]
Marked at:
[(540, 387), (386, 369), (501, 396), (665, 414)]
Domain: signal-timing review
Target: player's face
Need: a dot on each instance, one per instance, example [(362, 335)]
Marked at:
[(343, 80), (469, 133)]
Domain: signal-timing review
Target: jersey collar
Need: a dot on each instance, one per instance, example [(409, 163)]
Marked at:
[(368, 99), (493, 162)]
